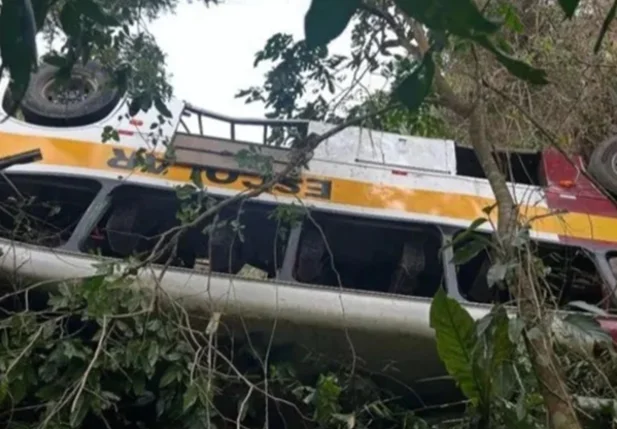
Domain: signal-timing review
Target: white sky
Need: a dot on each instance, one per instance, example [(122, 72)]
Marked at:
[(211, 49)]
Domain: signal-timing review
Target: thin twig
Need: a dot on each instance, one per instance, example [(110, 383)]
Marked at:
[(97, 352), (24, 351), (242, 406)]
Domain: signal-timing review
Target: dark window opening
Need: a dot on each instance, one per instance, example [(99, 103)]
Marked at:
[(612, 263), (240, 237), (43, 210), (518, 167), (570, 275), (369, 255)]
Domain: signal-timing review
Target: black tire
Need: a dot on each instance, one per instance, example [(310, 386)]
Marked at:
[(603, 164), (94, 103)]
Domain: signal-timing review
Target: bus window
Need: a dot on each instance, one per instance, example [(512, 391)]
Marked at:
[(139, 216), (337, 250), (570, 275), (43, 209)]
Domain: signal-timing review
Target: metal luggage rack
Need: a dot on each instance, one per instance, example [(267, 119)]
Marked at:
[(300, 126)]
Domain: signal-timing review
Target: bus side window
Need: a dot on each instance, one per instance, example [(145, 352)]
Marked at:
[(344, 251), (43, 209), (243, 239), (569, 275)]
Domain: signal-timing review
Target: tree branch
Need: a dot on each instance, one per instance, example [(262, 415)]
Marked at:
[(400, 32), (310, 144)]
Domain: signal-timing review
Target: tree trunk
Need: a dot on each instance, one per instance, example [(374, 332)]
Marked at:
[(558, 402), (505, 204), (557, 399)]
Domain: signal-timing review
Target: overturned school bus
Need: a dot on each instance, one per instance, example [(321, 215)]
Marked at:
[(362, 262)]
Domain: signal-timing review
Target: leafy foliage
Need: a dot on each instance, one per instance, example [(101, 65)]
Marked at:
[(414, 88), (456, 337), (300, 72), (457, 17), (287, 81), (537, 35), (109, 32), (100, 353), (18, 43)]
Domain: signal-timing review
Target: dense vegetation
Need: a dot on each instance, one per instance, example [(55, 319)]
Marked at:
[(99, 353)]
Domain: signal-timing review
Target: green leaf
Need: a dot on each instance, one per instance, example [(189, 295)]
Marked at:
[(70, 20), (515, 329), (469, 231), (326, 397), (504, 381), (41, 9), (111, 396), (146, 102), (18, 48), (493, 350), (18, 391), (80, 412), (146, 398), (584, 331), (500, 341), (497, 273), (56, 60), (412, 91), (348, 419), (510, 18), (326, 20), (521, 238), (468, 251), (516, 67), (487, 210), (610, 16), (4, 389), (190, 396), (456, 339), (153, 353), (582, 305), (135, 105), (569, 7), (162, 109), (476, 224), (169, 377)]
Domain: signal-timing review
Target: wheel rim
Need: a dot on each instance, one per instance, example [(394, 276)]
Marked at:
[(613, 164), (73, 90)]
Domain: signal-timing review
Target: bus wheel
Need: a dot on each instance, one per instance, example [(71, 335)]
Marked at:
[(85, 97), (603, 164)]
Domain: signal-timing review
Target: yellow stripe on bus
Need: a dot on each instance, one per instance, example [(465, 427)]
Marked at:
[(99, 156)]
